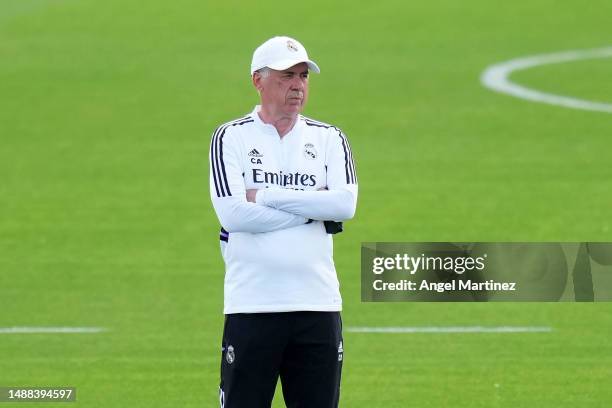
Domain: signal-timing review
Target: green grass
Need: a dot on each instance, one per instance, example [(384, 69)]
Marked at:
[(570, 79), (106, 111)]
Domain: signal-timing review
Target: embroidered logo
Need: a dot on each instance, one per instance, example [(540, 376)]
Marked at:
[(309, 151), (340, 351), (230, 357), (255, 153), (291, 46)]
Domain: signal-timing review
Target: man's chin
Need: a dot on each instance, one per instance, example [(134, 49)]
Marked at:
[(295, 109)]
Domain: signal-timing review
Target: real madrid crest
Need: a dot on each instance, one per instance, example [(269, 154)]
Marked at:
[(309, 151), (229, 355), (291, 46)]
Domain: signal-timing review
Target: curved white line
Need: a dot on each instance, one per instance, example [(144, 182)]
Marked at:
[(495, 77)]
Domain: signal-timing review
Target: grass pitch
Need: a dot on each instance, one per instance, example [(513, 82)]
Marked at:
[(106, 111)]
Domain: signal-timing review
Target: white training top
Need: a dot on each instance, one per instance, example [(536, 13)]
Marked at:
[(278, 257)]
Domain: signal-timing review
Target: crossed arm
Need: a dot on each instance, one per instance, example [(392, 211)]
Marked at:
[(273, 209), (319, 205)]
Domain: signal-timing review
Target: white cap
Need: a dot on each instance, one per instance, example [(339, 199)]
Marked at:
[(280, 53)]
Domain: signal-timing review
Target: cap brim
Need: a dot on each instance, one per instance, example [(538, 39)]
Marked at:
[(282, 65)]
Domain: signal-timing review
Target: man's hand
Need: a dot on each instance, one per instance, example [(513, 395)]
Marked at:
[(250, 195)]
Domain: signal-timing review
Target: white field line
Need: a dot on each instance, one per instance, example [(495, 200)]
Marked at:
[(451, 329), (39, 330), (495, 77)]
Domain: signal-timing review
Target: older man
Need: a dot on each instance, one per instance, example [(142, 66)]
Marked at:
[(280, 184)]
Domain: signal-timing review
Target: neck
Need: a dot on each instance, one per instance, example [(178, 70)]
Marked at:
[(281, 121)]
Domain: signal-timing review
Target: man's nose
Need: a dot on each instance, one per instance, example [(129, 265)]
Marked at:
[(297, 83)]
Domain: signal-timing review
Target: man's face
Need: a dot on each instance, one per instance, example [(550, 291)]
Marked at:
[(284, 92)]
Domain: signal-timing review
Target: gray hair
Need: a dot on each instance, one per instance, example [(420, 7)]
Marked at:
[(264, 72)]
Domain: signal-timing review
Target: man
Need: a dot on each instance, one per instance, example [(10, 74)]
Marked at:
[(279, 182)]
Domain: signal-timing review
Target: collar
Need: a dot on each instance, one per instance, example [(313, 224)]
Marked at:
[(268, 128)]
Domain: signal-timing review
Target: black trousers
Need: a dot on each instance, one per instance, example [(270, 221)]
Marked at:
[(304, 349)]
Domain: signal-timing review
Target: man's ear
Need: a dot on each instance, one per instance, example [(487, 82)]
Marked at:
[(257, 81)]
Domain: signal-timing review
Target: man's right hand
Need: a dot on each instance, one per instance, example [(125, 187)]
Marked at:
[(251, 194)]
